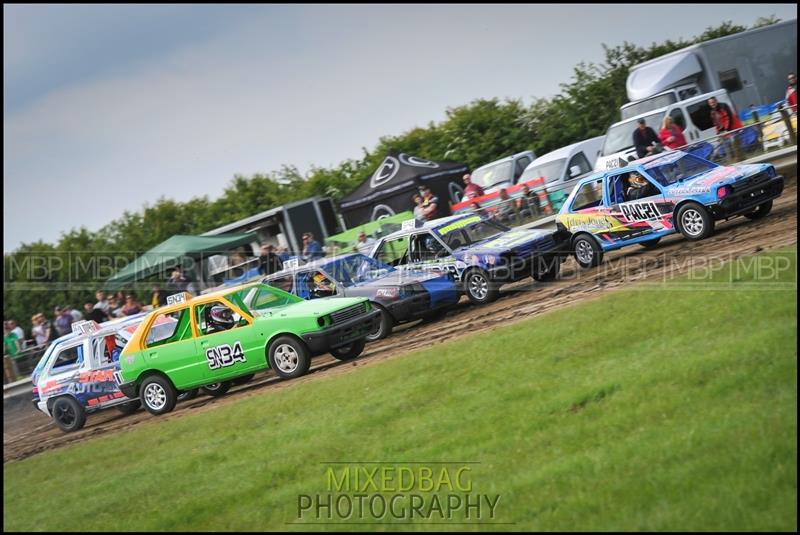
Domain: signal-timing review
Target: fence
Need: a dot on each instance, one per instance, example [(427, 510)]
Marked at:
[(22, 364)]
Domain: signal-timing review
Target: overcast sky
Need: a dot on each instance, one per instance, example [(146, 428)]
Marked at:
[(107, 108)]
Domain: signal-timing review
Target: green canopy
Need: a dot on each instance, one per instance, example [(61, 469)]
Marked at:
[(384, 226), (170, 253)]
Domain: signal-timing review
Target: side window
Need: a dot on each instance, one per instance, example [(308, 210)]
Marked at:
[(617, 185), (455, 239), (424, 247), (319, 284), (520, 166), (393, 252), (170, 327), (700, 114), (68, 358), (216, 317), (578, 165), (637, 186), (678, 118), (730, 80), (588, 196), (285, 283)]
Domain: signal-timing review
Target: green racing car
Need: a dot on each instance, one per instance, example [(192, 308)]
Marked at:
[(217, 337)]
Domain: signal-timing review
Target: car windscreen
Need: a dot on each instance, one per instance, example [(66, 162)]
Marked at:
[(357, 269), (620, 136), (475, 228), (676, 167), (494, 174), (645, 105), (551, 171), (261, 297)]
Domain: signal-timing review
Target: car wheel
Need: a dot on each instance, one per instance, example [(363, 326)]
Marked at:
[(129, 407), (761, 211), (186, 395), (68, 414), (158, 395), (384, 327), (217, 389), (588, 252), (243, 379), (694, 221), (350, 351), (547, 270), (289, 357), (650, 244), (479, 287)]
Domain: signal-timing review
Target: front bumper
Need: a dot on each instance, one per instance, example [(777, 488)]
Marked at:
[(515, 266), (343, 333), (744, 200)]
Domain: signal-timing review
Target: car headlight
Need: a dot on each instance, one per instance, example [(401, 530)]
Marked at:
[(324, 321), (771, 171)]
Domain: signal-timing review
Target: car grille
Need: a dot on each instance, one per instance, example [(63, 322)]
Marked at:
[(348, 313), (750, 181)]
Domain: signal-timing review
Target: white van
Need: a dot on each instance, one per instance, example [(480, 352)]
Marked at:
[(563, 167), (502, 173), (693, 115)]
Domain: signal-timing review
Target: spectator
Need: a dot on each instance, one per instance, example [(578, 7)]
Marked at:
[(476, 208), (365, 244), (419, 210), (529, 204), (114, 307), (311, 247), (284, 254), (102, 302), (63, 321), (471, 190), (38, 330), (671, 135), (11, 345), (723, 117), (430, 204), (157, 297), (506, 210), (131, 306), (268, 261), (94, 314), (791, 93), (177, 282), (16, 329), (645, 140), (76, 314)]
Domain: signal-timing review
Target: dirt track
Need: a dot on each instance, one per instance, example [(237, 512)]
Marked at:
[(27, 432)]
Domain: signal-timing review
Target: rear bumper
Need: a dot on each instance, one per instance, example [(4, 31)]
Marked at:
[(342, 333), (743, 201), (129, 389)]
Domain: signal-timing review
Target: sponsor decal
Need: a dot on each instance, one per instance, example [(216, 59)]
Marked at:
[(178, 298), (640, 211), (224, 355), (386, 292), (96, 376), (689, 190), (385, 172), (467, 221)]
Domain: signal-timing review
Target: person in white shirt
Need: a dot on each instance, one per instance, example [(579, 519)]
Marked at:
[(365, 244)]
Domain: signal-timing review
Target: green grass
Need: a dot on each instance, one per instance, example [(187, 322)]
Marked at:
[(659, 409)]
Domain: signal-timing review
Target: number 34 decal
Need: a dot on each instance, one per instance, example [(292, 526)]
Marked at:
[(224, 355)]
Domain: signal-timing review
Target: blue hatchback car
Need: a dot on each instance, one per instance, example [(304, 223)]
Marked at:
[(660, 195)]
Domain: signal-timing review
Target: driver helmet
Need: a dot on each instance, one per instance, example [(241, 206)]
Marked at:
[(637, 180), (321, 281), (219, 317)]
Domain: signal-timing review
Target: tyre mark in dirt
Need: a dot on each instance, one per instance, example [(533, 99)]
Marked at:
[(733, 239)]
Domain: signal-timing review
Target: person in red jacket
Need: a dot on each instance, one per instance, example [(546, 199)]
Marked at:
[(671, 135), (723, 117), (791, 92)]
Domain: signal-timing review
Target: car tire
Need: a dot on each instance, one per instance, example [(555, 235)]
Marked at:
[(384, 327), (760, 211), (186, 395), (350, 351), (479, 287), (130, 407), (243, 379), (587, 251), (157, 395), (547, 270), (217, 389), (68, 414), (694, 221), (650, 244), (288, 357)]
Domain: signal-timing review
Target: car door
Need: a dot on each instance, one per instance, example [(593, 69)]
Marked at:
[(634, 218), (392, 251), (170, 346), (63, 372), (227, 351)]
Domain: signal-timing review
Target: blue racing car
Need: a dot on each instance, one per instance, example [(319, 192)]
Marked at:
[(400, 296), (480, 253), (661, 195)]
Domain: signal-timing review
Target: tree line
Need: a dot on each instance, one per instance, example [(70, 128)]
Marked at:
[(41, 275)]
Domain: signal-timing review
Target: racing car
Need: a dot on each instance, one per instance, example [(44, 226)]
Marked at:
[(75, 376), (480, 253), (217, 338), (400, 296), (660, 195)]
